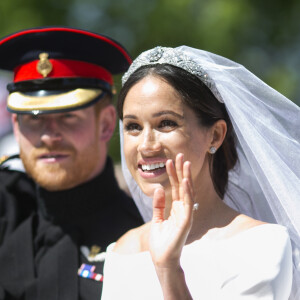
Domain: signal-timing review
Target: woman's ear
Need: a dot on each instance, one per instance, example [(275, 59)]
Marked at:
[(218, 132), (107, 122)]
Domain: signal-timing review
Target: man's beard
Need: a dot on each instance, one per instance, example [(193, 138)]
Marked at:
[(61, 176)]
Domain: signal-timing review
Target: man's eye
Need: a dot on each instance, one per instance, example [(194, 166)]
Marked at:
[(132, 127), (31, 119), (68, 116), (167, 123), (34, 118)]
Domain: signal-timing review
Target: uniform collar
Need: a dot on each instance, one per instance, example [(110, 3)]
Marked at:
[(84, 200)]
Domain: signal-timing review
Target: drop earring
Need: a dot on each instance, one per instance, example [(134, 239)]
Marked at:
[(212, 150)]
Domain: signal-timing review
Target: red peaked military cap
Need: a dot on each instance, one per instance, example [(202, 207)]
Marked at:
[(59, 68)]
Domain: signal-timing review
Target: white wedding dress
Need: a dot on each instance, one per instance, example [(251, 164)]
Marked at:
[(254, 264)]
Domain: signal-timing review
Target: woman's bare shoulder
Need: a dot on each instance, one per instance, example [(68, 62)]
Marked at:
[(246, 222), (238, 224), (132, 241), (242, 223)]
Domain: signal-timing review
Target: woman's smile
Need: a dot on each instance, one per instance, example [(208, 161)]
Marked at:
[(152, 168)]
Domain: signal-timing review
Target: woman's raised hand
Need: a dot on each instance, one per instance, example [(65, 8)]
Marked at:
[(168, 236)]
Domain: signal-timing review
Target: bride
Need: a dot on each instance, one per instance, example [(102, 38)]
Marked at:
[(202, 151)]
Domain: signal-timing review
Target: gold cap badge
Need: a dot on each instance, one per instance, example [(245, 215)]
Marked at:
[(44, 66)]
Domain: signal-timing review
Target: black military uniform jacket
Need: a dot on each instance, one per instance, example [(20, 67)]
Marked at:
[(41, 234)]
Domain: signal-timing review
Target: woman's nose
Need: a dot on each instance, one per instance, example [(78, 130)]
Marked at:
[(149, 143)]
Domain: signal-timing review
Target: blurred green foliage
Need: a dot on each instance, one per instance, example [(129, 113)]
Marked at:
[(262, 35)]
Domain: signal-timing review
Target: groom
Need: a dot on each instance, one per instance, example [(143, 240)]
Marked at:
[(58, 217)]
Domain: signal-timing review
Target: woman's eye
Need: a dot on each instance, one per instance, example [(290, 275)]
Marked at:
[(167, 123), (132, 127)]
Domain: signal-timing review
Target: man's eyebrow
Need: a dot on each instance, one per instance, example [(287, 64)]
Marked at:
[(158, 114)]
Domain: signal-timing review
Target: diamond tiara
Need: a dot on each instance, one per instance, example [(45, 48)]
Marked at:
[(175, 57)]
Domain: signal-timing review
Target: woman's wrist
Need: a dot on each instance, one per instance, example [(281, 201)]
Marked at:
[(172, 281), (168, 270)]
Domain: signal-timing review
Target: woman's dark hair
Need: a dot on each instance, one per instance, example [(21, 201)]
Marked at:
[(197, 96)]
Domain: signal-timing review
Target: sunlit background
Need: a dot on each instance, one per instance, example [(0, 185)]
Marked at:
[(263, 35)]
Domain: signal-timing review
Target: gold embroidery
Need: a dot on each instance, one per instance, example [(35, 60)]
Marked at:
[(95, 249)]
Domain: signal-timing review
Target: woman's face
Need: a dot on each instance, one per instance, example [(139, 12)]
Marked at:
[(158, 126)]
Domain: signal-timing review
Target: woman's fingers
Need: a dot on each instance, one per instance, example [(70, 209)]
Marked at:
[(188, 197), (187, 191), (179, 166), (158, 205), (173, 179), (176, 174), (179, 172), (188, 174)]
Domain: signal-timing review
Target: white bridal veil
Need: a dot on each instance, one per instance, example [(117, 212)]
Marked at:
[(265, 184)]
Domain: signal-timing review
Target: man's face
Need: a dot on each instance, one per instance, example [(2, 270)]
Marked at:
[(60, 151)]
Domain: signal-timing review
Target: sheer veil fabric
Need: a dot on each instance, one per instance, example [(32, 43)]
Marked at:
[(265, 184)]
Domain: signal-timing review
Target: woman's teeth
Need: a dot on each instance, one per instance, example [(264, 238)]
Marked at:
[(153, 166)]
